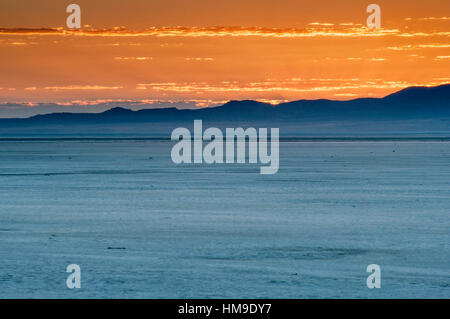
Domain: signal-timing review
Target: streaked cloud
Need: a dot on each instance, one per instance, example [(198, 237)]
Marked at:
[(199, 59), (82, 87), (409, 47), (225, 31), (130, 103), (350, 24), (345, 94), (286, 85), (322, 24), (417, 56), (423, 34), (11, 42), (272, 101), (428, 19), (137, 58)]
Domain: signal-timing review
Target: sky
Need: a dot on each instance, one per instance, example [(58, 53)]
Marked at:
[(201, 53)]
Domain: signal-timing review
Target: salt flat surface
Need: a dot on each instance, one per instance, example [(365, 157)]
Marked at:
[(224, 231)]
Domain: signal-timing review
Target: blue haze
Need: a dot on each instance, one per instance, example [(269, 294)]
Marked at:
[(224, 231)]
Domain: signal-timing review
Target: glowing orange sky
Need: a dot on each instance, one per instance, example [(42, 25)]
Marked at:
[(208, 52)]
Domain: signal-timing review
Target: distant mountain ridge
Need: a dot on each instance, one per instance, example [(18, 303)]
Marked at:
[(411, 105)]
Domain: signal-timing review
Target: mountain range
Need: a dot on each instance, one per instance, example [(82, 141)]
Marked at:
[(414, 110)]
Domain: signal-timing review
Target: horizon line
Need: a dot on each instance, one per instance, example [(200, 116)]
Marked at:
[(129, 102)]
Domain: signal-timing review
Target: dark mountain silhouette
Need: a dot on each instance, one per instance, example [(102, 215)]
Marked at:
[(415, 109)]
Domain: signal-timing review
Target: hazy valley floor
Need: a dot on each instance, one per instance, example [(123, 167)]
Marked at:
[(142, 227)]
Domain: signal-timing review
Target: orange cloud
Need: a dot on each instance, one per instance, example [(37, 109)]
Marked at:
[(179, 31), (138, 58), (82, 87), (287, 85), (428, 19), (419, 46), (199, 59)]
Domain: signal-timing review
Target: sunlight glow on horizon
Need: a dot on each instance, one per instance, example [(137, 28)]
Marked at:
[(206, 65)]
